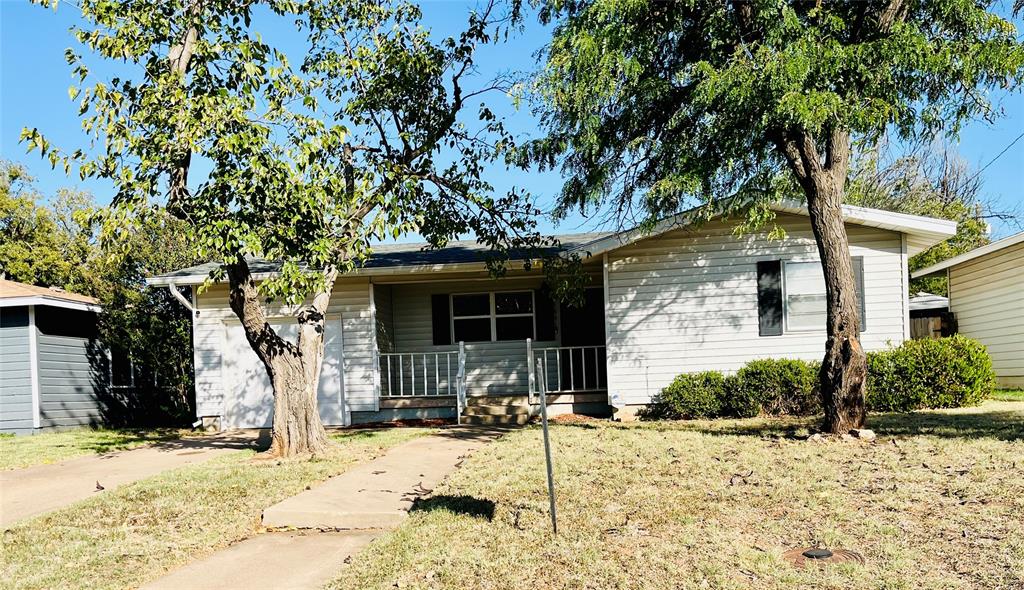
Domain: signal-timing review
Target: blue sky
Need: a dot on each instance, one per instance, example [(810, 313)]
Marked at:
[(34, 79)]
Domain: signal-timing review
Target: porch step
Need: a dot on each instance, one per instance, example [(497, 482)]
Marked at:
[(511, 399), (495, 410), (495, 419)]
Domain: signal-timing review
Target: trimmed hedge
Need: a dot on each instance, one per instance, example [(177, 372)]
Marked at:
[(690, 395), (776, 387), (946, 373)]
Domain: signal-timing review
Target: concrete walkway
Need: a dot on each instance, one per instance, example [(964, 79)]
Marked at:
[(34, 490), (365, 501)]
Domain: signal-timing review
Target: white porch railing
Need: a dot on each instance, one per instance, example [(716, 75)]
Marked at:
[(566, 369), (408, 374)]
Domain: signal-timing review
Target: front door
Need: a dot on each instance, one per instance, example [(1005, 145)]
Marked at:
[(249, 400), (583, 328)]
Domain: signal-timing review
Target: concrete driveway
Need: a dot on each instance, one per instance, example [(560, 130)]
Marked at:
[(28, 492)]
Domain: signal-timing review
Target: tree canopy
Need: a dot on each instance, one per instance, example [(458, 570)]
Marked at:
[(373, 128), (652, 106)]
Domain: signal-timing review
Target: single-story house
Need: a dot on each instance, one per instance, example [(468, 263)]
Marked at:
[(46, 366), (986, 296), (680, 297)]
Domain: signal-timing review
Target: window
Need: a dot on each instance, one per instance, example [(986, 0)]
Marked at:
[(122, 370), (804, 295), (483, 317), (803, 286), (471, 317), (513, 315)]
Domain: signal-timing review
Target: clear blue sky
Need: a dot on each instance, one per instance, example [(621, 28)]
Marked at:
[(34, 79)]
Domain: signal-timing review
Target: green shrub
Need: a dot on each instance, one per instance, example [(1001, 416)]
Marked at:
[(944, 373), (690, 395), (777, 387)]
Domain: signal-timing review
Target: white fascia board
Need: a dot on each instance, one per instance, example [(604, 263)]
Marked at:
[(922, 232), (48, 301), (967, 256), (186, 280)]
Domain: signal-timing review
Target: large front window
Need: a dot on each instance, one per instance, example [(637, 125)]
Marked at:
[(482, 317)]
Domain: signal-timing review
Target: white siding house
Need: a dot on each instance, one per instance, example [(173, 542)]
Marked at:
[(986, 296), (678, 298), (686, 301)]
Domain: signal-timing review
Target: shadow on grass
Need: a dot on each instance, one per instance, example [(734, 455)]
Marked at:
[(467, 505), (113, 440), (997, 420)]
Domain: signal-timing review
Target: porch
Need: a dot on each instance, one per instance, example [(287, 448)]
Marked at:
[(482, 352)]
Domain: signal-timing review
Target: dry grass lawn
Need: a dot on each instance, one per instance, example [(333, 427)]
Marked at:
[(936, 502), (50, 447), (128, 536)]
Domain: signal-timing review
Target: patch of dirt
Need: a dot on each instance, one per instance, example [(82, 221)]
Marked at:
[(572, 419)]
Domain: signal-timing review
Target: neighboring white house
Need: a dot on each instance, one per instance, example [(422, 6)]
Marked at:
[(678, 298), (986, 296)]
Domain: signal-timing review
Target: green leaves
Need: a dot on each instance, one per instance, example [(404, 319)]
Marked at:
[(661, 106), (363, 132)]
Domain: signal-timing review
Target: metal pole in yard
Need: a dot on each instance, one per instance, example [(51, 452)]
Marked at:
[(547, 457)]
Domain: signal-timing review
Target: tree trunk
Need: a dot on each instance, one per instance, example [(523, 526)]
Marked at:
[(844, 368), (823, 179), (293, 368)]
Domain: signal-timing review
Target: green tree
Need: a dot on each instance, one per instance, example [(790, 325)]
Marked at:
[(147, 326), (33, 248), (928, 180), (378, 131), (652, 106), (53, 243)]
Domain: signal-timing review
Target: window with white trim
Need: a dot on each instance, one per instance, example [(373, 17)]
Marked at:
[(804, 299), (471, 317), (493, 316), (803, 294)]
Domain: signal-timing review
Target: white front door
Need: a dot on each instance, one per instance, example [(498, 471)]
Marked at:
[(249, 401)]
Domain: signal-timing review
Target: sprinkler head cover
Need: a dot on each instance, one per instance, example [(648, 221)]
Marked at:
[(817, 554)]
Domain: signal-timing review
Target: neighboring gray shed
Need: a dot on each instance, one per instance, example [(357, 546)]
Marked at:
[(47, 340)]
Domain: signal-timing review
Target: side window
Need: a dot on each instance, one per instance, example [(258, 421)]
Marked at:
[(794, 292)]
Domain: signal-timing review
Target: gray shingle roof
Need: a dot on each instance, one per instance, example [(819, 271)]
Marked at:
[(397, 255)]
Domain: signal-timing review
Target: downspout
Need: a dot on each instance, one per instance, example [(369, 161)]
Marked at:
[(173, 288)]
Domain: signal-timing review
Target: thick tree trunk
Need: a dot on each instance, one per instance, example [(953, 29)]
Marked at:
[(844, 368), (293, 368), (823, 179)]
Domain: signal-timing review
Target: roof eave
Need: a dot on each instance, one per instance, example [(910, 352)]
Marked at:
[(968, 256), (28, 300), (923, 232), (197, 279)]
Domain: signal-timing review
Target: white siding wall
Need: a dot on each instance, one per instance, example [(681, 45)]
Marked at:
[(350, 300), (491, 367), (686, 301), (987, 297)]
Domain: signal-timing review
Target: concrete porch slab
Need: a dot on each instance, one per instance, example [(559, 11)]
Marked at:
[(378, 494)]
